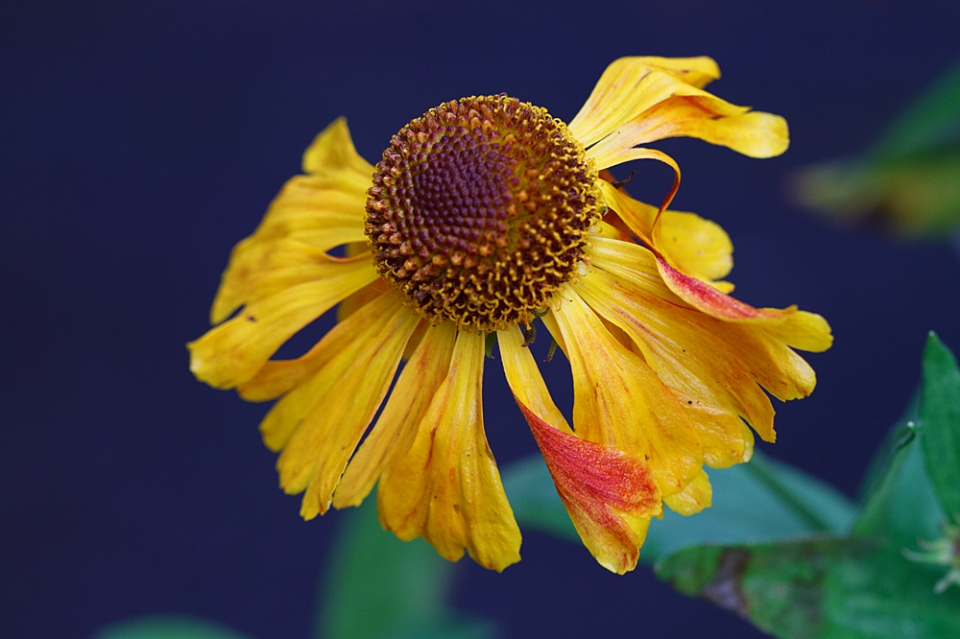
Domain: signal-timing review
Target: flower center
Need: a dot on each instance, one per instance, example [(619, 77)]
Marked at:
[(479, 211)]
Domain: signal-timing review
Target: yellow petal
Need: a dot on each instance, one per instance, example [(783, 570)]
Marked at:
[(697, 72), (305, 211), (631, 85), (446, 488), (619, 401), (324, 209), (332, 153), (696, 496), (799, 329), (725, 438), (233, 352), (638, 100), (393, 433), (753, 133), (609, 495), (278, 377), (344, 344), (358, 300), (349, 389), (707, 359), (698, 247), (525, 380), (685, 348), (695, 246)]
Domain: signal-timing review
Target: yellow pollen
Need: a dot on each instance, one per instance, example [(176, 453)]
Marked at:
[(479, 211)]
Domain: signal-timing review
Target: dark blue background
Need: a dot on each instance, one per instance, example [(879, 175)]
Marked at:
[(140, 140)]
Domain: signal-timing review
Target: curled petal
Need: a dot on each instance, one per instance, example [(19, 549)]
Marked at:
[(695, 246), (753, 133), (446, 487), (609, 495)]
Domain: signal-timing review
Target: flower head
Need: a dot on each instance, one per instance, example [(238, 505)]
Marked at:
[(483, 216)]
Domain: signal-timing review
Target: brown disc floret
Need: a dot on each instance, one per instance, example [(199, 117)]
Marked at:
[(479, 211)]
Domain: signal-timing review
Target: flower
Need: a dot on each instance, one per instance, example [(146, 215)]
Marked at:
[(482, 216)]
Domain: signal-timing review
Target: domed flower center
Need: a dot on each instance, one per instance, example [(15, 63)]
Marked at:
[(479, 211)]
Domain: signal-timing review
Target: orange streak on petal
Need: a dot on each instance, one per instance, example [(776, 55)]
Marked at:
[(798, 329), (705, 298), (609, 495)]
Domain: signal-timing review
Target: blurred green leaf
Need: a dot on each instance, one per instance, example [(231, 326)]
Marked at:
[(909, 181), (931, 122), (167, 627), (380, 587), (758, 501), (940, 415), (827, 588)]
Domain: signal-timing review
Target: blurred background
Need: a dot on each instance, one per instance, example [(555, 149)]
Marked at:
[(139, 141)]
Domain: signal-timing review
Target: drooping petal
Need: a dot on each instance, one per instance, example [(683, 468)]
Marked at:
[(446, 488), (710, 380), (343, 344), (796, 328), (698, 247), (619, 401), (298, 290), (393, 433), (714, 365), (725, 437), (348, 390), (359, 299), (609, 495)]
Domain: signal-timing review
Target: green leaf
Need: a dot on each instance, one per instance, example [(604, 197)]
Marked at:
[(903, 507), (940, 415), (167, 627), (827, 588), (380, 587), (758, 501)]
